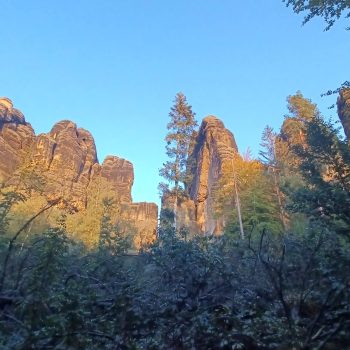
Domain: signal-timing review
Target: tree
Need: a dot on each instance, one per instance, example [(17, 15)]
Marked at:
[(112, 238), (325, 167), (269, 158), (301, 111), (292, 134), (85, 225), (249, 191), (330, 10), (181, 130), (237, 200)]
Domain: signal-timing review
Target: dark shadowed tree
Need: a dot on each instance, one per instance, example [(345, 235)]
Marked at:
[(325, 167)]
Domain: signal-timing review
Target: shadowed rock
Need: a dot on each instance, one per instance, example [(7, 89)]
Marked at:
[(213, 156)]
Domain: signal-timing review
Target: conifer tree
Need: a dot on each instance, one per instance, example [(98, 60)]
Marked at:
[(180, 133)]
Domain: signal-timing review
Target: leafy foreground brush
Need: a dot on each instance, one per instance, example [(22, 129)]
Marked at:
[(207, 293)]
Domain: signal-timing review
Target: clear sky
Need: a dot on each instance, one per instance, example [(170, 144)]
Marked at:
[(114, 67)]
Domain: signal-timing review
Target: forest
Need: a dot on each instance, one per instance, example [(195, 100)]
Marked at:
[(275, 277)]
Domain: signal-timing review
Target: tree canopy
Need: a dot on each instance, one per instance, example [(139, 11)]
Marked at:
[(329, 10)]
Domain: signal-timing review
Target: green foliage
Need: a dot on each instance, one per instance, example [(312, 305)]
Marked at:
[(273, 166), (258, 203), (30, 180), (330, 10), (8, 200), (179, 139), (259, 208), (292, 132), (205, 293), (301, 108), (326, 170), (268, 144), (280, 156), (269, 291), (166, 220), (102, 221), (112, 238)]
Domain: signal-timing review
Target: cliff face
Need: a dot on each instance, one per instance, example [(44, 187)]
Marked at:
[(16, 138), (343, 104), (120, 174), (66, 157), (211, 158)]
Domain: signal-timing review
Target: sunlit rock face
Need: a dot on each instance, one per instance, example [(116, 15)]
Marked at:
[(211, 158), (120, 174), (66, 157), (343, 104), (16, 138)]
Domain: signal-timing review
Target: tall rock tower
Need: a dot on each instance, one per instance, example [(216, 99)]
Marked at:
[(211, 158)]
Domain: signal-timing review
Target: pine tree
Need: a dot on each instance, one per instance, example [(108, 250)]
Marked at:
[(181, 130)]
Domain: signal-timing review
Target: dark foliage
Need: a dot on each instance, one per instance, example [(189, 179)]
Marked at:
[(325, 166), (329, 10), (207, 293)]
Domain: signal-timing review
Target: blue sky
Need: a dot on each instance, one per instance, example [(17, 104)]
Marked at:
[(114, 67)]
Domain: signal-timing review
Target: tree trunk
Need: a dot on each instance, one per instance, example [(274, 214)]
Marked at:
[(279, 198), (238, 203), (175, 204)]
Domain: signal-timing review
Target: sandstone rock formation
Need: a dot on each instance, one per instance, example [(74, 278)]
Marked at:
[(66, 157), (144, 216), (120, 174), (343, 104), (212, 156), (16, 138)]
